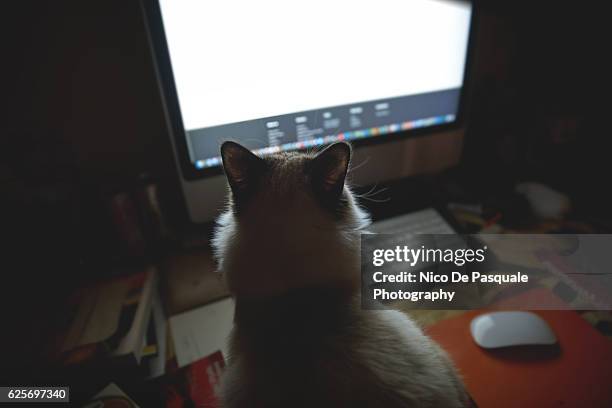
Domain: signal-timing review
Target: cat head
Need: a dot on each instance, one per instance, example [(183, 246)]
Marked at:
[(291, 221)]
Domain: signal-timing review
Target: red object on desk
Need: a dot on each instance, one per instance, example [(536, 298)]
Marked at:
[(576, 374)]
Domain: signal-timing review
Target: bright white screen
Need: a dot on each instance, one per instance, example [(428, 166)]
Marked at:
[(239, 60)]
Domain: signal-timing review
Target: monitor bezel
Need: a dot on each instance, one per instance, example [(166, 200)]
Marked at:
[(165, 76)]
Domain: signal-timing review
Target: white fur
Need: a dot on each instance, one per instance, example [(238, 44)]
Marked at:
[(283, 241), (291, 244)]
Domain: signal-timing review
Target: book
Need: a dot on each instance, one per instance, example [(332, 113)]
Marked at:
[(196, 384), (156, 364), (111, 321), (139, 305)]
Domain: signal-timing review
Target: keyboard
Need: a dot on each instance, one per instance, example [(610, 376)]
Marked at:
[(427, 221)]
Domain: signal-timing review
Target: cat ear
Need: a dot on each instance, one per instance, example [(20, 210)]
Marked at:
[(328, 169), (242, 168)]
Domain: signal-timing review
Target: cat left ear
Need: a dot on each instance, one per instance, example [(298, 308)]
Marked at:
[(328, 169), (242, 168)]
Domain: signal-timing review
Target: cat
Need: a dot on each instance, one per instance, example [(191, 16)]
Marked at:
[(288, 247)]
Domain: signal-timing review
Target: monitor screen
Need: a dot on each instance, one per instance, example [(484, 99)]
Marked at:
[(286, 75)]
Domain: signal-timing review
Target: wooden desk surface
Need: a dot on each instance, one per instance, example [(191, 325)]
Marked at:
[(190, 280)]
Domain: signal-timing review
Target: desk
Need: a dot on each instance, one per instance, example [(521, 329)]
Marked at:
[(190, 280)]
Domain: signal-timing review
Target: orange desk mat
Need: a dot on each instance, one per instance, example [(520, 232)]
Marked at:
[(577, 373)]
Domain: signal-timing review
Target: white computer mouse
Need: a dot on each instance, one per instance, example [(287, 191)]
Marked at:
[(504, 329)]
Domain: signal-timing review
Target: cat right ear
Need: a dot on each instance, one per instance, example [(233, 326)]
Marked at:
[(328, 170), (242, 168)]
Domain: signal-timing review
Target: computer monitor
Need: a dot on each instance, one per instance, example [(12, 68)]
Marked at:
[(294, 75)]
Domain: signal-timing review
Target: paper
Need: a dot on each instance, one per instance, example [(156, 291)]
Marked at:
[(157, 364), (97, 316), (200, 332), (133, 342)]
